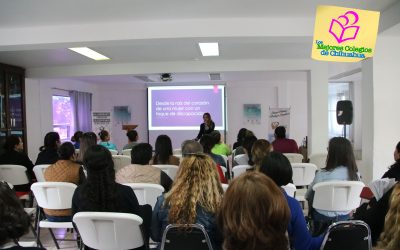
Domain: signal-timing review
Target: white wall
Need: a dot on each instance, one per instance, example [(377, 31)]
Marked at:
[(39, 113)]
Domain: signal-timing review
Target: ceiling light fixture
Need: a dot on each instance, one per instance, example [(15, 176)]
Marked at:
[(90, 53), (209, 49)]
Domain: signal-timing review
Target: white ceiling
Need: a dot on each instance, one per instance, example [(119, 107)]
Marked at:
[(36, 34)]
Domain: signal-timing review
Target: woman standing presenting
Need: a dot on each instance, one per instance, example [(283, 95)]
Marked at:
[(206, 127)]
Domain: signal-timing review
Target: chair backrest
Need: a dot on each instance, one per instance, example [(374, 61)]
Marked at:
[(294, 158), (224, 186), (194, 238), (354, 235), (53, 195), (127, 152), (14, 174), (239, 169), (170, 170), (224, 170), (319, 160), (121, 161), (39, 172), (242, 159), (177, 151), (102, 230), (303, 173), (290, 189), (146, 193), (113, 151), (337, 195), (77, 151)]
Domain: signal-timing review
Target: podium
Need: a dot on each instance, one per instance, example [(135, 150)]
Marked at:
[(129, 127)]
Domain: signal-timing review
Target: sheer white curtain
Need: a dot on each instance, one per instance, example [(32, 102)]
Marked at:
[(82, 107)]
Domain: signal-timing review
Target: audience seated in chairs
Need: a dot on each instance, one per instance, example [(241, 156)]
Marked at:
[(278, 168), (390, 237), (163, 152), (340, 166), (140, 171), (105, 140), (14, 221), (87, 140), (208, 142), (14, 155), (194, 198), (283, 145), (100, 192), (261, 148), (48, 152), (133, 137), (64, 170), (254, 214)]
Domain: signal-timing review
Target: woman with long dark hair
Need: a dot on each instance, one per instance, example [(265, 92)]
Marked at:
[(340, 166), (48, 152), (240, 137), (87, 140), (163, 152), (100, 192)]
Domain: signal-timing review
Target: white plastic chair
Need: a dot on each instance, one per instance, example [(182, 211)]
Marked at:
[(242, 159), (121, 161), (224, 170), (303, 175), (294, 158), (77, 151), (319, 160), (103, 230), (14, 174), (224, 186), (127, 152), (170, 170), (240, 169), (146, 193), (53, 195), (177, 151), (39, 172), (290, 189), (113, 152), (337, 195)]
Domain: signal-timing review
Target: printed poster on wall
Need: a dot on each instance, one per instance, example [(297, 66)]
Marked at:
[(122, 114), (252, 114), (344, 34), (278, 117), (101, 120)]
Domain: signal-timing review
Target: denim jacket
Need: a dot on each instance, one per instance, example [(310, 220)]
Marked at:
[(160, 221)]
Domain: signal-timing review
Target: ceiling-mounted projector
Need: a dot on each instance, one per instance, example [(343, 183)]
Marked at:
[(166, 77)]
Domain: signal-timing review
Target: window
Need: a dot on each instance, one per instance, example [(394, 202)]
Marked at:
[(63, 119), (338, 92)]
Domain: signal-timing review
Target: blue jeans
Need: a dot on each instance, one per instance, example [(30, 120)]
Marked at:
[(59, 218), (322, 222)]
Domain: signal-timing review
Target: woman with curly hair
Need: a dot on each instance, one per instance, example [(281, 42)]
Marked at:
[(14, 222), (100, 192), (254, 214), (390, 237), (195, 197)]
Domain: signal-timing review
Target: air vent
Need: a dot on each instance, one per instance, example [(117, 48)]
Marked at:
[(215, 76)]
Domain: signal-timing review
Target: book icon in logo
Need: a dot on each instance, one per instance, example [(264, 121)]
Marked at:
[(343, 27)]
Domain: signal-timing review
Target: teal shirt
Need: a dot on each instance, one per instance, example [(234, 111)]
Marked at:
[(108, 145)]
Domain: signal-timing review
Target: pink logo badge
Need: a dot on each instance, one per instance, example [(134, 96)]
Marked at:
[(342, 30)]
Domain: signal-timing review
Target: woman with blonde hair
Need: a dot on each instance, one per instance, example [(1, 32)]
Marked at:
[(260, 149), (390, 237), (195, 197), (254, 214)]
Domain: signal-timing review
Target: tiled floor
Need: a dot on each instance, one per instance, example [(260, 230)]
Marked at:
[(48, 242)]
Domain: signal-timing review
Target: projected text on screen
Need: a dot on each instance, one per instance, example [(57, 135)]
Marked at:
[(182, 107)]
